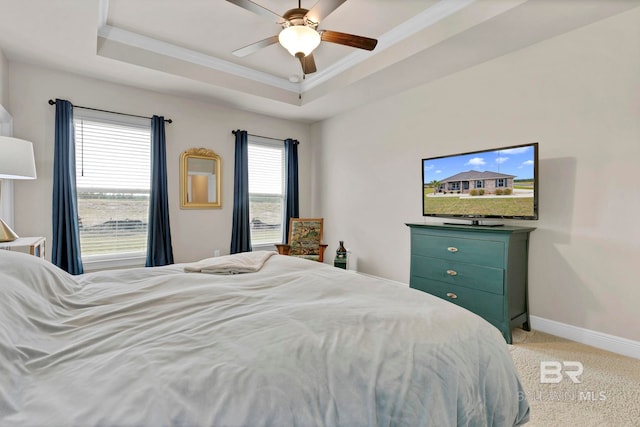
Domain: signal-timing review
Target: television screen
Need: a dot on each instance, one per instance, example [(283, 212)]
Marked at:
[(494, 183)]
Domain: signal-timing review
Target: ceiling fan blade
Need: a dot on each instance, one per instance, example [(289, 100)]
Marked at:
[(360, 42), (322, 9), (256, 8), (254, 47), (308, 63)]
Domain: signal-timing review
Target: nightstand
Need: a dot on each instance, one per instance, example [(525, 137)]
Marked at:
[(36, 245)]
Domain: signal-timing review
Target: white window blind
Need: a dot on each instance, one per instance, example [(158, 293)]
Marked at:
[(113, 163), (266, 191)]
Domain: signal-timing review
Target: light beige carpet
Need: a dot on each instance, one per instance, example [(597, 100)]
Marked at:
[(608, 393)]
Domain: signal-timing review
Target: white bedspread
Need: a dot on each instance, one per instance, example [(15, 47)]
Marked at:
[(296, 343)]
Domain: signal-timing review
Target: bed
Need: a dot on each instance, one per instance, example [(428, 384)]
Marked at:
[(295, 343)]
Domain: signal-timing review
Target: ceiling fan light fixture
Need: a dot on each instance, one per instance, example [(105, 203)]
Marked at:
[(299, 39)]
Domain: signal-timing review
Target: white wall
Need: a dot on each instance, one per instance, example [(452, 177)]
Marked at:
[(195, 233), (578, 96), (6, 121), (4, 80)]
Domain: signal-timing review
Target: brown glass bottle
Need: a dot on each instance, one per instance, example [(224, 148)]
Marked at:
[(341, 252)]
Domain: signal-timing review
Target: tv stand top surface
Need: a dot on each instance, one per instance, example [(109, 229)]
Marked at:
[(475, 223), (489, 228)]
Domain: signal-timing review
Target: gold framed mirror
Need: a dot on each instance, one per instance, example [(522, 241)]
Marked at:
[(200, 176)]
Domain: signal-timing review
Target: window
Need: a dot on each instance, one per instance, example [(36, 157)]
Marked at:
[(479, 184), (266, 190), (501, 182), (113, 164)]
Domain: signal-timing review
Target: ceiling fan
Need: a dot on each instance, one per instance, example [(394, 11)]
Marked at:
[(300, 34)]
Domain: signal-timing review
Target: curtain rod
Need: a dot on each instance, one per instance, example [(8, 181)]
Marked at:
[(260, 136), (52, 102)]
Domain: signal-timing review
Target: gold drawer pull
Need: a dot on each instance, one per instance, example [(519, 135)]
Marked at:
[(452, 272), (452, 249), (452, 295)]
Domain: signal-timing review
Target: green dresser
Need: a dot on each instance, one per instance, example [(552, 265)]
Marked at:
[(483, 269)]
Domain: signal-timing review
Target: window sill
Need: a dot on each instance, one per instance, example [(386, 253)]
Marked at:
[(264, 247), (110, 262)]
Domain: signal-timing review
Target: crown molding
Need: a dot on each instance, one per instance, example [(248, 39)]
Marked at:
[(103, 13), (167, 49), (428, 17)]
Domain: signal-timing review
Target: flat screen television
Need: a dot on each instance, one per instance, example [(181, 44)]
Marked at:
[(497, 183)]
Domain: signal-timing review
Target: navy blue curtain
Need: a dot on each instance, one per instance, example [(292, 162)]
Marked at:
[(65, 247), (240, 232), (159, 250), (291, 204)]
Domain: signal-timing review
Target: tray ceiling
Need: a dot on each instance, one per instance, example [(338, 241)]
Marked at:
[(184, 47)]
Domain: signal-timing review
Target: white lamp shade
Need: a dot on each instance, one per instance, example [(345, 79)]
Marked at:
[(299, 39), (16, 159)]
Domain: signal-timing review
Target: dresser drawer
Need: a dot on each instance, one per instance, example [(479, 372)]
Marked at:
[(473, 251), (485, 304), (473, 276)]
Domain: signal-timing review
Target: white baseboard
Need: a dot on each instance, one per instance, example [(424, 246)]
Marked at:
[(619, 345)]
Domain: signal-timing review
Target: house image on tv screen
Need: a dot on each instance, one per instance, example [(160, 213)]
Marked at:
[(476, 183)]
